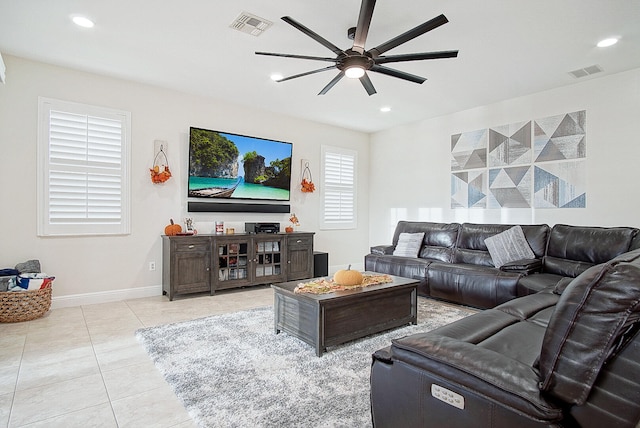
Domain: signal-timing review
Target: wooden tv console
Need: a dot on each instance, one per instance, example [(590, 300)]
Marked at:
[(207, 263)]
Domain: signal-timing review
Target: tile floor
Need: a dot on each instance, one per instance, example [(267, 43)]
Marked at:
[(83, 367)]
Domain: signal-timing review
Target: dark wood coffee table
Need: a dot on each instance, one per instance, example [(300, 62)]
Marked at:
[(323, 320)]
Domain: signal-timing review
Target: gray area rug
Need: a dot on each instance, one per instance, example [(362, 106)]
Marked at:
[(232, 370)]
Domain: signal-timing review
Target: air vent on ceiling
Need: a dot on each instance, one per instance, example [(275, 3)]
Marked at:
[(582, 72), (250, 24)]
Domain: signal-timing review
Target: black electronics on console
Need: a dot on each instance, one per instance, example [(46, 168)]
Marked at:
[(262, 227)]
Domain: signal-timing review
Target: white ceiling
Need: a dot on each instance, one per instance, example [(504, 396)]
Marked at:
[(508, 48)]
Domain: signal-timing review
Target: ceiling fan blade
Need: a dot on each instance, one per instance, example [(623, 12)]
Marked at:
[(362, 28), (368, 86), (316, 58), (397, 73), (409, 35), (306, 73), (415, 56), (332, 83), (315, 36)]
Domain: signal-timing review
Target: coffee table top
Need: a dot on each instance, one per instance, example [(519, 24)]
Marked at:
[(288, 287)]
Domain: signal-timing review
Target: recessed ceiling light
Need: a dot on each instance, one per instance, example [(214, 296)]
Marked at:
[(385, 109), (82, 21), (607, 42), (276, 77)]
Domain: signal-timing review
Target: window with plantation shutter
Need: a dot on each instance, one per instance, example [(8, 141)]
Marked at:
[(338, 188), (83, 169)]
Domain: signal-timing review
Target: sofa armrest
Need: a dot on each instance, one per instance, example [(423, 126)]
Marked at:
[(382, 250), (499, 379), (525, 266)]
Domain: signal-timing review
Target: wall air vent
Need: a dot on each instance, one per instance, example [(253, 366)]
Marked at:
[(250, 24), (587, 71)]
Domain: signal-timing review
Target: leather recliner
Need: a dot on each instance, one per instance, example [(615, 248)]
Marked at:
[(567, 356)]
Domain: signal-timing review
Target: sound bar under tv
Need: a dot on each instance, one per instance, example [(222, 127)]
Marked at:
[(237, 208)]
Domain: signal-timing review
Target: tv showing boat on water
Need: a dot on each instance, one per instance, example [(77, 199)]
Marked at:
[(223, 165)]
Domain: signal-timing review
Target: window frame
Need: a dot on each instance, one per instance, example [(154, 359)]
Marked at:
[(45, 227), (341, 223)]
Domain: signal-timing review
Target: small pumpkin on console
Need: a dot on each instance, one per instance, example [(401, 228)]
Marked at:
[(348, 277), (172, 229)]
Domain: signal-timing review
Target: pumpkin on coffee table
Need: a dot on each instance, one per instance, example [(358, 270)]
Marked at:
[(348, 277)]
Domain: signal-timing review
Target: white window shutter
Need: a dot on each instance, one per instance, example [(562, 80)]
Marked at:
[(83, 183), (338, 188)]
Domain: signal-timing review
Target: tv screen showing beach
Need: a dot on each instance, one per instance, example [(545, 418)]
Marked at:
[(231, 166)]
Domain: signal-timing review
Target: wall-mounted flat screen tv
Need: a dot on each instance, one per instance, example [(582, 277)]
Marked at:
[(231, 166)]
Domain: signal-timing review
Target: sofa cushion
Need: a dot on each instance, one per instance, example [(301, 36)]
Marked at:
[(439, 238), (478, 286), (573, 249), (592, 315), (508, 246), (472, 249), (409, 244)]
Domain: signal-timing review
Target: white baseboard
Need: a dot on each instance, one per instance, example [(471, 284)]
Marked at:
[(105, 296)]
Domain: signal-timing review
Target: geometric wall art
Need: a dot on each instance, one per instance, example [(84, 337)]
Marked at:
[(469, 150), (539, 163), (468, 189), (560, 185), (561, 137), (510, 144), (510, 187)]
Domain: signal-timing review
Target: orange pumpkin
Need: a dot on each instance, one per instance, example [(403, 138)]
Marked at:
[(348, 277), (172, 229)]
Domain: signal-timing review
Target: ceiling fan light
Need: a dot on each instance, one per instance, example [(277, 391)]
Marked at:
[(354, 72)]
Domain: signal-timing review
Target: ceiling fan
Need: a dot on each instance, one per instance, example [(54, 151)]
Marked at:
[(356, 61)]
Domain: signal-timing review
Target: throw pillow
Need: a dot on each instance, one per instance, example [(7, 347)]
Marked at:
[(509, 246), (409, 244)]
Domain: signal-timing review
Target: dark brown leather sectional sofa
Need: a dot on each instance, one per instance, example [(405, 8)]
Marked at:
[(566, 353), (454, 264)]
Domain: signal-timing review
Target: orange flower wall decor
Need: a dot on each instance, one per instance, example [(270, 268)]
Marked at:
[(160, 171), (307, 185)]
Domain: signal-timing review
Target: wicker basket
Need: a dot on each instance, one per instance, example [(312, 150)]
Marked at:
[(16, 306)]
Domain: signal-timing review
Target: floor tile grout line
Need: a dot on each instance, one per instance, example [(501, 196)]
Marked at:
[(100, 369)]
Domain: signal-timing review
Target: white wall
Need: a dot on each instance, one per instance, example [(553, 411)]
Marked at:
[(411, 167), (96, 269)]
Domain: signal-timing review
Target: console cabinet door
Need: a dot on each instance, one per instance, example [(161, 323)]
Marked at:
[(299, 256), (269, 259), (232, 262), (186, 265)]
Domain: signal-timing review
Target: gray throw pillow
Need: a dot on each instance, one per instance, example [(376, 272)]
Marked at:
[(409, 244), (509, 246)]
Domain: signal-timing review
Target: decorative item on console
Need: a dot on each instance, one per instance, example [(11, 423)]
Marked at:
[(294, 222), (189, 228), (172, 229), (160, 171)]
